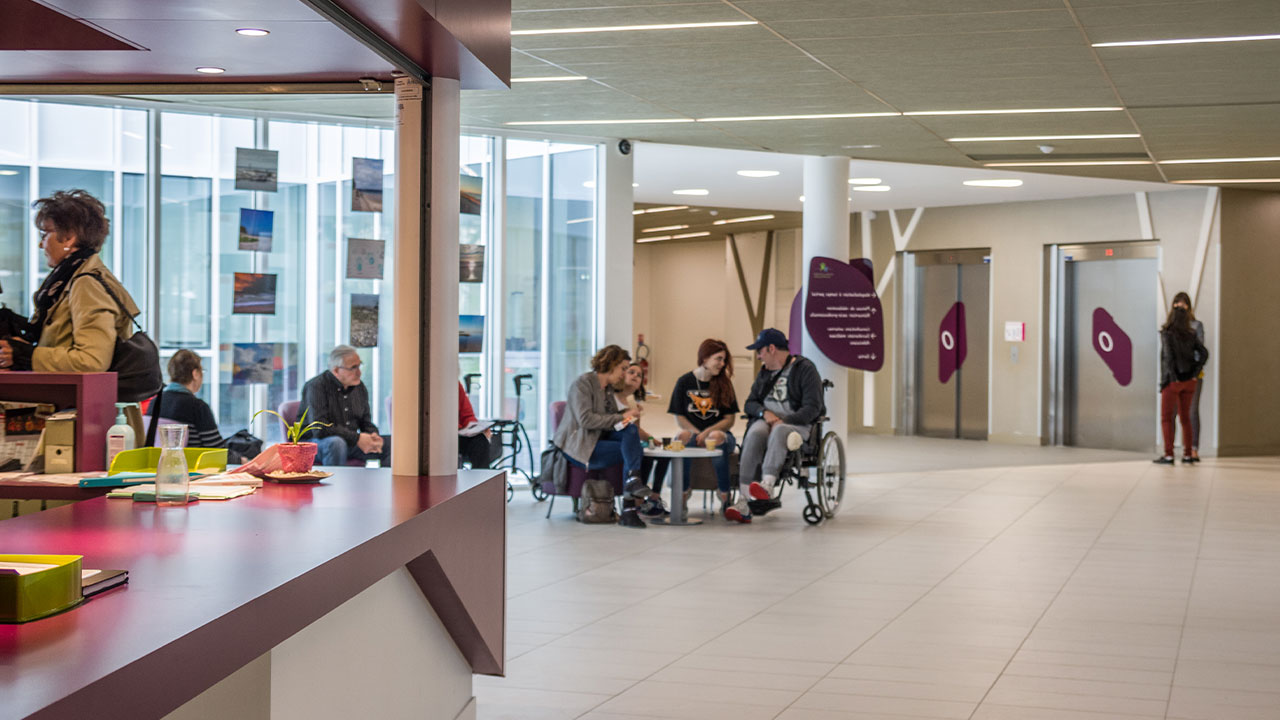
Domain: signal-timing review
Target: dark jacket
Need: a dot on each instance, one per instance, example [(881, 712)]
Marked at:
[(804, 393), (1181, 357), (181, 405), (345, 408)]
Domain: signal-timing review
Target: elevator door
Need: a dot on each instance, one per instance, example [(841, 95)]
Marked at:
[(1109, 346), (952, 339)]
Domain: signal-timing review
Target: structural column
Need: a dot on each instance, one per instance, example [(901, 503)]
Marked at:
[(615, 261), (425, 362), (826, 234)]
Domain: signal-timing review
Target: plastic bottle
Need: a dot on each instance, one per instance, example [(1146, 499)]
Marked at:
[(120, 436)]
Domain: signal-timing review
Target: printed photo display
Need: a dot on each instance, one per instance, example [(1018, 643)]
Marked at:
[(364, 320), (366, 185), (254, 363), (257, 169), (254, 294), (471, 263), (255, 229), (470, 333), (364, 258), (470, 187)]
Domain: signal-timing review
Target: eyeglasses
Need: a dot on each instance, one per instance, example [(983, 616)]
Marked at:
[(355, 367), (45, 233)]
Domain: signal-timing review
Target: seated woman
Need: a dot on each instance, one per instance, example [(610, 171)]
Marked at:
[(594, 434), (630, 393), (705, 406), (180, 404)]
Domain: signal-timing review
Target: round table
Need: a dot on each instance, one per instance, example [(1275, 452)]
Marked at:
[(677, 480)]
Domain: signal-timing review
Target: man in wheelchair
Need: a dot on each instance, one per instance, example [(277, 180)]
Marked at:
[(785, 398)]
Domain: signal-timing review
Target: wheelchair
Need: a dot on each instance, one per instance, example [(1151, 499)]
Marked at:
[(817, 467)]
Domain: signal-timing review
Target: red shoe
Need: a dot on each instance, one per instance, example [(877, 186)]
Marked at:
[(734, 514), (759, 492)]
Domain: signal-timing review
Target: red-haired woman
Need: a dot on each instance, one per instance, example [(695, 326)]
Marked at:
[(705, 407)]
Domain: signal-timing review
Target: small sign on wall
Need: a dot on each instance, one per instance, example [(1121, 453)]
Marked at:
[(1015, 331)]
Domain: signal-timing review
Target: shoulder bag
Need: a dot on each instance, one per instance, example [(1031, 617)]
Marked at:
[(136, 361)]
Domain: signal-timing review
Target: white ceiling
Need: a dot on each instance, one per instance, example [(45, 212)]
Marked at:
[(660, 169)]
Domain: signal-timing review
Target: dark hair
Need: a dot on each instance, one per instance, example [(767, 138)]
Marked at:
[(1185, 299), (640, 392), (183, 366), (75, 212), (1179, 322), (722, 394), (608, 358)]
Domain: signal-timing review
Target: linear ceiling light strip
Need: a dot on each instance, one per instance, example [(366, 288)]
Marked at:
[(629, 28)]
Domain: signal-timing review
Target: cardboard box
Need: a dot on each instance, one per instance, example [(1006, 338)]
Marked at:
[(60, 428), (59, 459)]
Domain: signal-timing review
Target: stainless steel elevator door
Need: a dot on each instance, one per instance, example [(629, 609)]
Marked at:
[(975, 293), (1100, 412), (952, 405), (939, 287)]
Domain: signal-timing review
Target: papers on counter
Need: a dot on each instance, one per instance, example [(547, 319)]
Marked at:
[(147, 493)]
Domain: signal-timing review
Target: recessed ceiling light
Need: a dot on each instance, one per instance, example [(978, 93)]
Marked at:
[(691, 191), (995, 182), (665, 208), (704, 233), (1068, 163), (252, 32), (1187, 41), (859, 147), (550, 78), (758, 173), (8, 172), (211, 70), (1012, 111), (864, 181), (872, 188), (801, 198), (653, 239), (1008, 138), (1197, 161), (635, 185), (1228, 181), (826, 116), (750, 218), (665, 228), (589, 184), (627, 28), (637, 121)]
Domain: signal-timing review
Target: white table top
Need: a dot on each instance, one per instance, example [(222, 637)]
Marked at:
[(688, 452)]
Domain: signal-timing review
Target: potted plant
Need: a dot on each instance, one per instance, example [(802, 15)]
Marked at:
[(295, 456)]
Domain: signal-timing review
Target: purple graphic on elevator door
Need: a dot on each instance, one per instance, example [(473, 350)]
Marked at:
[(843, 315), (953, 343), (1113, 345)]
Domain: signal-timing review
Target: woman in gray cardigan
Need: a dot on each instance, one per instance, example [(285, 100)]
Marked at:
[(594, 434)]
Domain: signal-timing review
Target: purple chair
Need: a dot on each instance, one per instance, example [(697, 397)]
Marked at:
[(579, 476)]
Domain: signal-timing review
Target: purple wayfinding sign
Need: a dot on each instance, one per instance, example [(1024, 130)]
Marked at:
[(953, 343), (843, 314), (1113, 345)]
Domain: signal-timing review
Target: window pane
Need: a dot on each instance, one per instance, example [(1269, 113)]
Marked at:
[(16, 236), (570, 342), (522, 263), (186, 207)]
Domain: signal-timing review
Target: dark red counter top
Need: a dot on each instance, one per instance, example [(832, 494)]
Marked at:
[(215, 585)]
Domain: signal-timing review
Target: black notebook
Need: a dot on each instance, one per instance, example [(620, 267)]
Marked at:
[(93, 582)]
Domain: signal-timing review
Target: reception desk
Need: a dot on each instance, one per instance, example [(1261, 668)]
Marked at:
[(368, 595)]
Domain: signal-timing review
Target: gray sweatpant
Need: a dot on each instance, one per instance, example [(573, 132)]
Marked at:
[(764, 450)]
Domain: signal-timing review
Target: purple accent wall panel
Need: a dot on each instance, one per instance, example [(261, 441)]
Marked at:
[(843, 315), (795, 328), (953, 343), (1113, 345)]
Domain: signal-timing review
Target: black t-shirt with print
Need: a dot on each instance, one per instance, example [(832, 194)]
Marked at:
[(692, 400)]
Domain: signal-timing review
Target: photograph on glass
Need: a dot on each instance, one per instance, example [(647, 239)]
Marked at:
[(257, 169), (255, 294), (470, 333), (364, 320), (471, 263), (254, 363), (255, 229), (469, 187), (364, 259), (366, 185)]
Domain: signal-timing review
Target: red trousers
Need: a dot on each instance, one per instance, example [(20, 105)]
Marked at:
[(1175, 399)]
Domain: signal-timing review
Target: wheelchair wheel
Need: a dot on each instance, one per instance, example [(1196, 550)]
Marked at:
[(831, 474), (539, 494), (812, 514), (511, 492)]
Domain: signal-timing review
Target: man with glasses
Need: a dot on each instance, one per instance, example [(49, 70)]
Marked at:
[(338, 397)]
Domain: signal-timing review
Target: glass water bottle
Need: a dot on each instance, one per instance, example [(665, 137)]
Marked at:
[(172, 481)]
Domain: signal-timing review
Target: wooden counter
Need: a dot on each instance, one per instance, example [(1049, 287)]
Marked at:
[(216, 585)]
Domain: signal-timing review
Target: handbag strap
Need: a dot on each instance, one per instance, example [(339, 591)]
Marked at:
[(155, 419), (112, 293)]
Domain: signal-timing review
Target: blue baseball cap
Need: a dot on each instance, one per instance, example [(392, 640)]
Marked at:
[(769, 336)]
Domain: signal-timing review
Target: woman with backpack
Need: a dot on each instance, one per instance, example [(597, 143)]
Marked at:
[(1182, 356)]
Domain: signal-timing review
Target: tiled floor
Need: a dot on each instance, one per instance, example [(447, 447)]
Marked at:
[(1081, 591)]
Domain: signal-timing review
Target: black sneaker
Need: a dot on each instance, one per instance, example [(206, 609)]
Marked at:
[(1188, 460), (636, 488), (653, 508), (1165, 460), (763, 507), (630, 519)]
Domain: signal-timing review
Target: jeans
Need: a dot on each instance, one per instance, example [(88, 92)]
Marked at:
[(1175, 399), (721, 464), (617, 446), (333, 450), (764, 450)]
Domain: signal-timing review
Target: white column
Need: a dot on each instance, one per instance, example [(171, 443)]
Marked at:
[(437, 282), (615, 256), (826, 234)]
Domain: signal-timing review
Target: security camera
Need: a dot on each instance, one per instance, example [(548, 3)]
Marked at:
[(624, 147), (1046, 149)]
